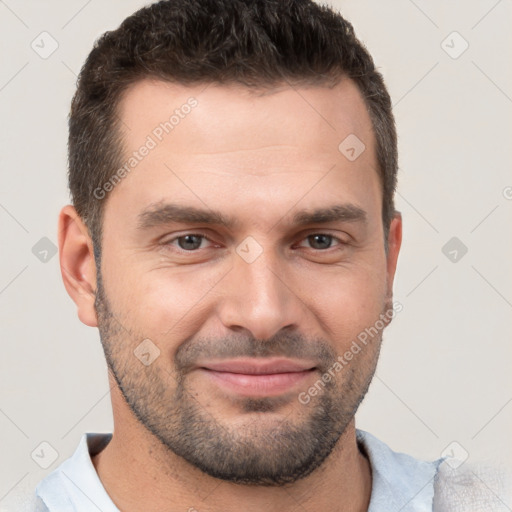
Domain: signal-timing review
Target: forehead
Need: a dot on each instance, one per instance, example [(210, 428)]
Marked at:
[(233, 147), (226, 117)]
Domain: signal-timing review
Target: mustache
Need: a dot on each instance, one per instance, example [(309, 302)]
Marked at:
[(289, 345)]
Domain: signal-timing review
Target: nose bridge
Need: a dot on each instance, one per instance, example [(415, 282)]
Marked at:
[(257, 296)]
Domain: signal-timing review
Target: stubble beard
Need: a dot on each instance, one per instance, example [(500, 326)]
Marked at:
[(265, 448)]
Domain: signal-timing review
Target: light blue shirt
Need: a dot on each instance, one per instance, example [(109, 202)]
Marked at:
[(400, 483)]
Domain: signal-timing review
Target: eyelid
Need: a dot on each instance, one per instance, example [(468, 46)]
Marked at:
[(303, 237), (340, 241), (169, 241)]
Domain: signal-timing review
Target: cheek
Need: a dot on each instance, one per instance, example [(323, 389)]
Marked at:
[(175, 303), (165, 303), (348, 300)]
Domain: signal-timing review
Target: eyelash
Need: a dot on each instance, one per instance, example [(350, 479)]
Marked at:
[(206, 237)]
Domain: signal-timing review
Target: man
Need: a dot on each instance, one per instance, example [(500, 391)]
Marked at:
[(233, 237)]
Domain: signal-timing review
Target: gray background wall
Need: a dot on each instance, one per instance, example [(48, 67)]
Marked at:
[(444, 375)]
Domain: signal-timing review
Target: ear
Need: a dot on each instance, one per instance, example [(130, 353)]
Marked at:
[(77, 264), (394, 244)]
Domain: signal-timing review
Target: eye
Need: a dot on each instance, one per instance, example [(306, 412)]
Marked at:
[(193, 242), (189, 242), (322, 241)]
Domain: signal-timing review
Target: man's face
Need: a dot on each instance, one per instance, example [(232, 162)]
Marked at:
[(237, 319)]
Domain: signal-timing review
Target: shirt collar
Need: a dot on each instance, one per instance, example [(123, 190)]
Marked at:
[(75, 485), (400, 482)]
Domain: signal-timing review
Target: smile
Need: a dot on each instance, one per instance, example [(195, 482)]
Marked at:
[(253, 377)]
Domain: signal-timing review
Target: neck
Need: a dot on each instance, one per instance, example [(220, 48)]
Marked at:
[(139, 473)]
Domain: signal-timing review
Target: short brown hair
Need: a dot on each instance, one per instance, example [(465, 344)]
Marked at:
[(256, 43)]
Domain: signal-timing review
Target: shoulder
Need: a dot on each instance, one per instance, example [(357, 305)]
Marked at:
[(471, 487), (74, 481), (402, 482)]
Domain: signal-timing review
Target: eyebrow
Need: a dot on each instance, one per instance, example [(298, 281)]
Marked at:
[(159, 214), (335, 213)]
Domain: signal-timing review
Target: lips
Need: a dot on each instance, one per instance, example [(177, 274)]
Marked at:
[(259, 367), (258, 377)]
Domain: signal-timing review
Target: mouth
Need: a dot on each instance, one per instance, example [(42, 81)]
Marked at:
[(258, 377)]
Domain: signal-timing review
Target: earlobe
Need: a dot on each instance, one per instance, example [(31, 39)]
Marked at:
[(77, 264), (394, 244)]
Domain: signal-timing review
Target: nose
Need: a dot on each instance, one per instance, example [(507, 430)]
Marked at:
[(258, 296)]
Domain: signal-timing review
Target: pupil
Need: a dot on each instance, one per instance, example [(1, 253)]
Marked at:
[(187, 242), (322, 239)]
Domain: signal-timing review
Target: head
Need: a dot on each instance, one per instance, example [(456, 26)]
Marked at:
[(232, 169)]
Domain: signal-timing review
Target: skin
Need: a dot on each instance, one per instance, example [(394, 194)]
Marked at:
[(258, 158)]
